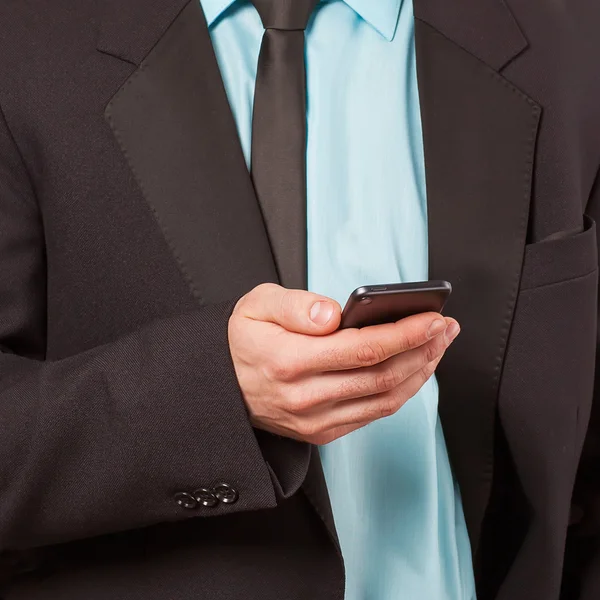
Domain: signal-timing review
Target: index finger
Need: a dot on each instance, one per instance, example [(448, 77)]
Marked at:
[(356, 348)]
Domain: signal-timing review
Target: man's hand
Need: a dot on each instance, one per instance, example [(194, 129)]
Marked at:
[(303, 379)]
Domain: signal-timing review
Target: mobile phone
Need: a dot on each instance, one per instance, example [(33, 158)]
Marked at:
[(388, 303)]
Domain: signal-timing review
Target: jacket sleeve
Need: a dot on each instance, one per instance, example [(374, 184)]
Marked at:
[(103, 441), (582, 559)]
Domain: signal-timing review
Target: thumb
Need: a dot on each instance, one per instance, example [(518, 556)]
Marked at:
[(295, 310)]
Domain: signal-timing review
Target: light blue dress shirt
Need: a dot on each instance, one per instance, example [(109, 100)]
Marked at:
[(395, 503)]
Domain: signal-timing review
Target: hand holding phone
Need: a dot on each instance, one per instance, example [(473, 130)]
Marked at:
[(304, 379)]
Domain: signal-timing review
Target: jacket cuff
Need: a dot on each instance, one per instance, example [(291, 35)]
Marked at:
[(287, 461)]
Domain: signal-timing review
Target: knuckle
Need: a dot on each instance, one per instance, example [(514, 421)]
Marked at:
[(309, 428), (427, 370), (293, 369), (370, 353), (419, 381), (405, 341), (255, 294), (283, 367), (287, 303), (387, 407), (441, 343), (432, 351), (263, 288), (388, 379), (279, 370), (385, 410), (400, 397), (301, 400), (248, 302)]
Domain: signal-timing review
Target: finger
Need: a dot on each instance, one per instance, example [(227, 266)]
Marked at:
[(334, 386), (297, 311), (330, 423), (357, 348), (348, 413)]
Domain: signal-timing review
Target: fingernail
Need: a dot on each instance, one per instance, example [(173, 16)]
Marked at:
[(452, 331), (436, 327), (321, 312)]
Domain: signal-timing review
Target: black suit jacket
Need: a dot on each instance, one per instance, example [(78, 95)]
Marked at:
[(129, 228)]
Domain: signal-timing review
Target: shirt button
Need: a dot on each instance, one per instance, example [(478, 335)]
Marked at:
[(186, 501), (205, 497), (225, 493)]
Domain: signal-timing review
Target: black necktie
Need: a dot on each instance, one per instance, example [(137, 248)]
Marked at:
[(278, 162)]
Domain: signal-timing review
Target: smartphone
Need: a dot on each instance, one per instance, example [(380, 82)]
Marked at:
[(378, 304)]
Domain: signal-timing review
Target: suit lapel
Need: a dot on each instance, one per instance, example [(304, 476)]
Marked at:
[(129, 29), (484, 28), (174, 125), (479, 137)]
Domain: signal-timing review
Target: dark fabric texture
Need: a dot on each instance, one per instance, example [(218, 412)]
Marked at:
[(225, 558), (582, 569), (103, 425), (129, 226), (544, 422), (474, 207), (278, 163)]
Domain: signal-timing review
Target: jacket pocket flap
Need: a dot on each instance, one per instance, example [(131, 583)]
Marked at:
[(561, 259)]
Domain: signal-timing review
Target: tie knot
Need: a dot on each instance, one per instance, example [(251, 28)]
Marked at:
[(285, 14)]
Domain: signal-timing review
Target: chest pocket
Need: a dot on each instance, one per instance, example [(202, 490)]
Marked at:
[(562, 259), (547, 382)]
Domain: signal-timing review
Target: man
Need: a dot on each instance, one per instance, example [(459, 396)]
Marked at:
[(175, 405)]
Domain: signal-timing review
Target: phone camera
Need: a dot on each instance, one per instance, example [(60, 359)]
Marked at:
[(365, 300)]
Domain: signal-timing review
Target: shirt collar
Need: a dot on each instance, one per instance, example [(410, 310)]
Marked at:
[(213, 9), (382, 15)]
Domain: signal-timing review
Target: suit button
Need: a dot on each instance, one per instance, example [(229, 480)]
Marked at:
[(225, 493), (186, 501), (206, 498)]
